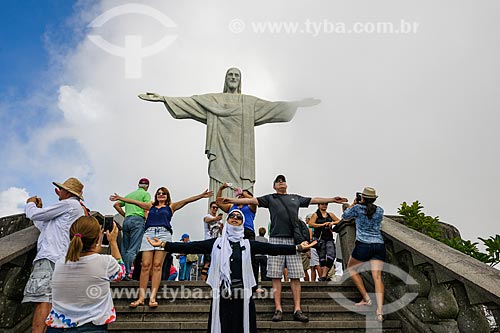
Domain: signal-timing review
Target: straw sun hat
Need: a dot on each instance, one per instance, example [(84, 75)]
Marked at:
[(369, 193), (72, 185)]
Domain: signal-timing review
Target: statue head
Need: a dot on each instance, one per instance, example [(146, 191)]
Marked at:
[(232, 82)]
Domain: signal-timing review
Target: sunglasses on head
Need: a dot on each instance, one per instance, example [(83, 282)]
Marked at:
[(236, 216)]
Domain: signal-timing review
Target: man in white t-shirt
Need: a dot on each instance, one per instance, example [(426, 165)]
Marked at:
[(212, 225)]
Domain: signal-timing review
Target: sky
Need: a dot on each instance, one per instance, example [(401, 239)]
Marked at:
[(413, 114)]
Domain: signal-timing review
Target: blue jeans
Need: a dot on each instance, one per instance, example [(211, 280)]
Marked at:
[(185, 271), (133, 230), (88, 328)]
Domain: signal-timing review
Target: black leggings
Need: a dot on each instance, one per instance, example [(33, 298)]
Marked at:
[(326, 252)]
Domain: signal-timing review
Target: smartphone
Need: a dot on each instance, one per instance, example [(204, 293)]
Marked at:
[(107, 226)]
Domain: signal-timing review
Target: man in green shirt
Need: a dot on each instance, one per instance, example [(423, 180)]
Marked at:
[(133, 225)]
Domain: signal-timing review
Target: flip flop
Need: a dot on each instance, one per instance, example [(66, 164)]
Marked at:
[(135, 304), (379, 317), (153, 304), (365, 302)]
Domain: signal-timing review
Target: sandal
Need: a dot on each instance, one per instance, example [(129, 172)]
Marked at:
[(379, 317), (366, 302), (153, 304), (135, 304)]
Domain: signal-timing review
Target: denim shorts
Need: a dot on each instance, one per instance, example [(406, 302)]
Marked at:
[(366, 251), (38, 289), (161, 233)]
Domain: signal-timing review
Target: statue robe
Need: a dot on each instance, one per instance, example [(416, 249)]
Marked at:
[(230, 139)]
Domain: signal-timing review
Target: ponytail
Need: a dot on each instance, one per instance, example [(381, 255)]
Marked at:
[(75, 248), (83, 234)]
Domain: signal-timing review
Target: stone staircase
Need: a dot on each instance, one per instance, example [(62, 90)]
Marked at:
[(184, 307)]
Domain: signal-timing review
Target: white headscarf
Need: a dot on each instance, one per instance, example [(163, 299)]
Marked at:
[(220, 271)]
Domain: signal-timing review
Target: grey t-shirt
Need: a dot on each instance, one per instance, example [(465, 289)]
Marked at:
[(281, 226)]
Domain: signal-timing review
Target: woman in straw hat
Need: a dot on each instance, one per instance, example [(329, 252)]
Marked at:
[(81, 296), (158, 225), (369, 246), (230, 275)]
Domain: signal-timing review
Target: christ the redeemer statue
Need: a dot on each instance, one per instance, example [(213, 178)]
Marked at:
[(230, 118)]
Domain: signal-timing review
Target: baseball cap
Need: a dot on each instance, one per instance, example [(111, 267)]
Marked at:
[(278, 178), (144, 181), (184, 236)]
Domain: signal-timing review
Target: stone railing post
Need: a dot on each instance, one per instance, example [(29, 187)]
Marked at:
[(346, 229)]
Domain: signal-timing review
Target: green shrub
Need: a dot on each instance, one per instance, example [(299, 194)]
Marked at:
[(430, 226)]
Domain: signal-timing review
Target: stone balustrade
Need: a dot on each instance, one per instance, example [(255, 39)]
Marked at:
[(452, 290), (17, 251)]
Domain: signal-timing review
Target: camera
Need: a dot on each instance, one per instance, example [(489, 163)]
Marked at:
[(107, 226), (358, 197)]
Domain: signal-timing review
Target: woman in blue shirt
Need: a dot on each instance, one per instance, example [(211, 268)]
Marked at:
[(369, 246), (157, 225)]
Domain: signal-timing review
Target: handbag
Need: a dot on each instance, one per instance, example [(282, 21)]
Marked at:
[(300, 229)]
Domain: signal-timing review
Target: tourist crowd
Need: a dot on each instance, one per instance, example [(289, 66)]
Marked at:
[(232, 256)]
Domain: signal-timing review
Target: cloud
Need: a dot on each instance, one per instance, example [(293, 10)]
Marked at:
[(412, 115), (12, 201)]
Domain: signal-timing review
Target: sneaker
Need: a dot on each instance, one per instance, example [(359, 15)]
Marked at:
[(278, 316), (299, 316), (126, 278)]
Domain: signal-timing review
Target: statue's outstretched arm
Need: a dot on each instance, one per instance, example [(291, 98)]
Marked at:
[(306, 102), (152, 97)]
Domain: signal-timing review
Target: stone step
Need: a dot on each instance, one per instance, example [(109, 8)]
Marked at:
[(307, 298), (262, 326), (264, 312), (181, 285), (184, 307)]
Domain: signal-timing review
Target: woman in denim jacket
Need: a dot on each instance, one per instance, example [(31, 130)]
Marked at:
[(369, 246)]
